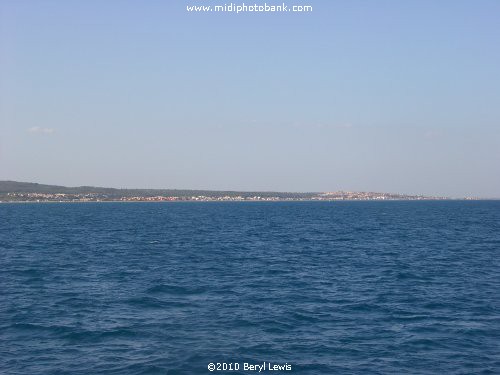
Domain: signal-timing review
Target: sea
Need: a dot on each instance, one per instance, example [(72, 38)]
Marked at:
[(394, 287)]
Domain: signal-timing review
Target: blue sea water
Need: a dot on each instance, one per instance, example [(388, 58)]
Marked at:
[(328, 288)]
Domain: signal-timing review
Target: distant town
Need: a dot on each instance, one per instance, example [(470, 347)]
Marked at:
[(12, 191), (94, 197)]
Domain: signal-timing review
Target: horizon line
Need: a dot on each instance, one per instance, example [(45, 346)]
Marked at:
[(251, 191)]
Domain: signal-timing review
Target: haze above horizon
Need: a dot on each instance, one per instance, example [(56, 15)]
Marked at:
[(359, 96)]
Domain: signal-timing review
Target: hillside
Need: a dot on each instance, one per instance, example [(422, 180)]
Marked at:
[(10, 187)]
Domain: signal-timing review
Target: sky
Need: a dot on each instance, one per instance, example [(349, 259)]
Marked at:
[(391, 96)]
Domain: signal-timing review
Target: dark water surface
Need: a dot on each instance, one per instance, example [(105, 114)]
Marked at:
[(329, 288)]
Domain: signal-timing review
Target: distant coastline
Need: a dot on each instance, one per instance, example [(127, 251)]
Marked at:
[(13, 191)]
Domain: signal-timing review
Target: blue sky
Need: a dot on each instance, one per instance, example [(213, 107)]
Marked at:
[(357, 95)]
